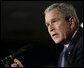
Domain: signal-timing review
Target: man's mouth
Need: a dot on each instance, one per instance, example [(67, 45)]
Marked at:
[(54, 35)]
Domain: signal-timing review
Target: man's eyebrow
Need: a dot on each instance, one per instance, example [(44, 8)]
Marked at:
[(50, 20), (53, 19), (45, 23)]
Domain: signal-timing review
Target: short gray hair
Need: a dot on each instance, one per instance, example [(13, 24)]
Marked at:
[(66, 10)]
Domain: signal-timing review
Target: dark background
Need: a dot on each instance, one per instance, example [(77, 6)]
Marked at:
[(22, 22)]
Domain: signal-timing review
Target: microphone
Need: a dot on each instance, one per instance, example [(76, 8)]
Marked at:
[(7, 61), (22, 50)]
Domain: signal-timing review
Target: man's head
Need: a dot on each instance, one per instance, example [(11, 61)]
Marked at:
[(61, 21)]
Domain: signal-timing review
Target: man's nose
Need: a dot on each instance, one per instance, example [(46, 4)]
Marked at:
[(51, 27)]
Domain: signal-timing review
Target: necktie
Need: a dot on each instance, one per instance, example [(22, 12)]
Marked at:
[(63, 60)]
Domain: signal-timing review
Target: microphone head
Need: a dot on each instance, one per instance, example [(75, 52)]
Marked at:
[(23, 50)]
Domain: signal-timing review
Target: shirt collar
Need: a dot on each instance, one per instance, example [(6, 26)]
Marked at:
[(74, 33), (67, 45)]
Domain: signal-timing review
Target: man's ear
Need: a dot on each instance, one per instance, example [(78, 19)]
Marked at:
[(72, 22)]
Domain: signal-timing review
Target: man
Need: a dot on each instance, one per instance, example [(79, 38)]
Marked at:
[(63, 26)]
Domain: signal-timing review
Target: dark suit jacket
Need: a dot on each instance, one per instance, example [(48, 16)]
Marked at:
[(74, 53)]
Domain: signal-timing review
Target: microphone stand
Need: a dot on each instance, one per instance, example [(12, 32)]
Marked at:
[(7, 61)]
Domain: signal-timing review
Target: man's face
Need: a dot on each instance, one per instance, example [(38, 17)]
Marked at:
[(58, 28)]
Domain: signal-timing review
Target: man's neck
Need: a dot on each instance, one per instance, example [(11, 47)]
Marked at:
[(69, 39)]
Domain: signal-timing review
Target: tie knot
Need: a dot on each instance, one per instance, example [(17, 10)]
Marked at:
[(65, 48)]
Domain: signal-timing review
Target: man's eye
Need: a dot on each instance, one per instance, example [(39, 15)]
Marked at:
[(54, 20), (47, 25)]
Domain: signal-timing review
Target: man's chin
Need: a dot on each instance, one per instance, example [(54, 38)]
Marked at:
[(62, 42), (57, 41)]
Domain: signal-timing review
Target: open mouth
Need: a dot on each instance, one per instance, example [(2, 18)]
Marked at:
[(54, 34)]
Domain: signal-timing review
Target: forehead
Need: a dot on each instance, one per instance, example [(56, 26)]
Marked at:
[(54, 13)]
